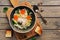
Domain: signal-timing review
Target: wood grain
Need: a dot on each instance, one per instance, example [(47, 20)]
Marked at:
[(47, 35), (6, 2), (44, 2), (2, 36), (47, 11), (50, 35), (51, 31), (53, 23), (51, 2), (4, 26), (50, 11)]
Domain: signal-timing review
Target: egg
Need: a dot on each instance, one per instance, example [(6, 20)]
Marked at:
[(22, 20)]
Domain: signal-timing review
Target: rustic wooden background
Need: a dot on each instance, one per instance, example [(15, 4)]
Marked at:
[(51, 13)]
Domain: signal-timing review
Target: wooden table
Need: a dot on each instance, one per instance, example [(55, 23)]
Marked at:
[(51, 13)]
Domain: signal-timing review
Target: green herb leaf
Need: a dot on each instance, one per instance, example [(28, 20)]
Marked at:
[(33, 38), (13, 22), (17, 11), (5, 9), (28, 11)]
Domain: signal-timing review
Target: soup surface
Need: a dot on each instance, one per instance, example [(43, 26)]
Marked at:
[(22, 18)]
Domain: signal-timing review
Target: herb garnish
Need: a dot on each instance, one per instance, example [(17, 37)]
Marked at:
[(5, 9)]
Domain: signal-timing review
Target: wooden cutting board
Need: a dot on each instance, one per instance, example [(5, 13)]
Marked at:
[(30, 34), (19, 36)]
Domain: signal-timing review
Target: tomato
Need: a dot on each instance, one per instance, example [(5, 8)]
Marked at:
[(22, 11), (28, 17), (15, 17)]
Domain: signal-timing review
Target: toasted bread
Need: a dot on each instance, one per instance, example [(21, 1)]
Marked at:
[(38, 30), (8, 33)]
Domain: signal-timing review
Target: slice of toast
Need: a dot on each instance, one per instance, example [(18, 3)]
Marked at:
[(8, 33), (38, 30)]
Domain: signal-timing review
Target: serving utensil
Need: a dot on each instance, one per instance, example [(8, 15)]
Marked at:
[(36, 10)]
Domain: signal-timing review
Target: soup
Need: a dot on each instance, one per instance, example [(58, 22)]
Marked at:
[(22, 18)]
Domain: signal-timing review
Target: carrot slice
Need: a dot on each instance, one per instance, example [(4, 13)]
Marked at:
[(22, 11), (15, 17), (28, 17)]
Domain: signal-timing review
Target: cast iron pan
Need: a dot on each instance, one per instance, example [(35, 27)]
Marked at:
[(21, 30)]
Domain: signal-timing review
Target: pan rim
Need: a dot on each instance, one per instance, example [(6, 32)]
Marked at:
[(19, 30)]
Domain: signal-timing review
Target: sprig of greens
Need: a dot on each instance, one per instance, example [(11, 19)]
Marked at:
[(17, 11), (5, 9), (33, 38)]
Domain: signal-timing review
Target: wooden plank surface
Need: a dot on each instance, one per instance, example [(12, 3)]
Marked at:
[(50, 35), (47, 35), (51, 2), (2, 36), (4, 26), (51, 31), (2, 14), (53, 23), (3, 20), (48, 11), (44, 2), (7, 2)]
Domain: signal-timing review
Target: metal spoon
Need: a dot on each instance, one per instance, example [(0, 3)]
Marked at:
[(36, 10)]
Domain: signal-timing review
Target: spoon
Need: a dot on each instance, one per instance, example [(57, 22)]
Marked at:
[(36, 10)]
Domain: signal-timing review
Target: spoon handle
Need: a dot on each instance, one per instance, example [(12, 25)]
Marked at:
[(45, 22)]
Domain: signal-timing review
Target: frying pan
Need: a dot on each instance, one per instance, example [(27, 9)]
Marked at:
[(32, 23)]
